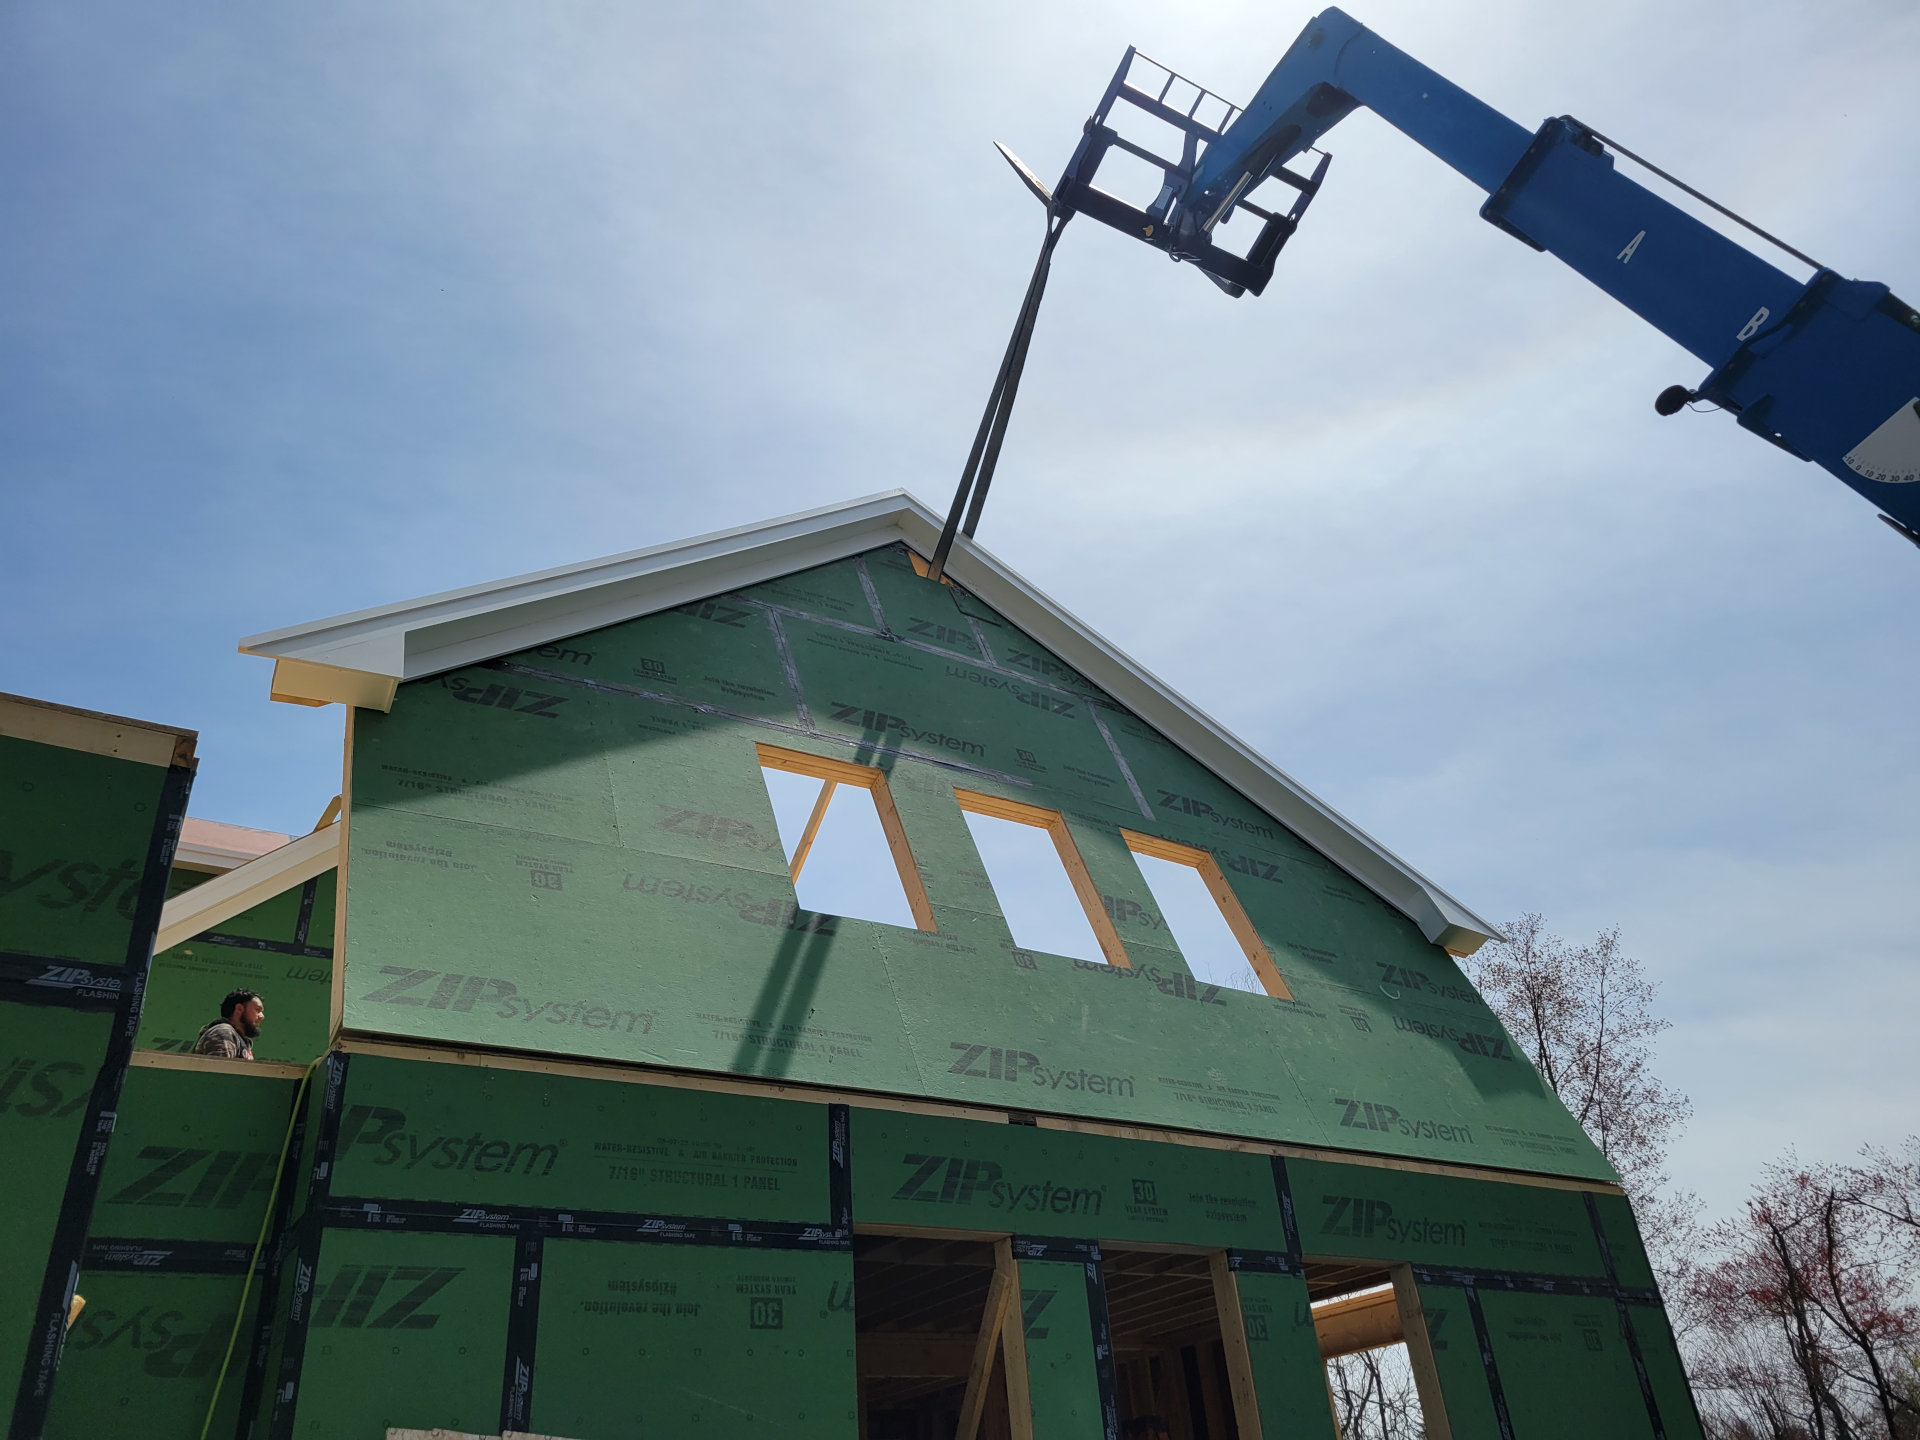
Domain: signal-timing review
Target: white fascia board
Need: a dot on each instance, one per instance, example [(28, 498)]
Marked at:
[(482, 622), (459, 627)]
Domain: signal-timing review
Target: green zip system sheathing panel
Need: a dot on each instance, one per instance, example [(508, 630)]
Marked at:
[(143, 1357), (640, 1340), (407, 1333), (281, 948), (86, 842), (1289, 1379), (43, 1102), (682, 1229), (193, 1156), (572, 850), (181, 1202), (1062, 1374), (1564, 1368), (466, 1136)]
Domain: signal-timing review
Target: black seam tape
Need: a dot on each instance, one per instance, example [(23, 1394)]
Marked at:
[(1626, 1319), (306, 1260), (358, 1213), (1103, 1366), (278, 947), (307, 892), (1283, 1190), (47, 1338), (840, 1169), (254, 1384), (523, 1334), (142, 1256), (1485, 1342)]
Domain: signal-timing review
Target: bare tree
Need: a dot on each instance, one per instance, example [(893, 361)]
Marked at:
[(1810, 1326), (1373, 1395), (1585, 1016)]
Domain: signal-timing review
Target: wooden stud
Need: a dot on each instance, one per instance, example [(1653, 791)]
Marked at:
[(903, 860), (328, 815), (218, 1065), (1426, 1374), (337, 999), (1000, 1293), (874, 781), (813, 829), (1233, 1339), (1055, 824), (1231, 910), (1013, 1343)]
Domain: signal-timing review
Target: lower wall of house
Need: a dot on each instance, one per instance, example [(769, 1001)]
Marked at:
[(481, 1249)]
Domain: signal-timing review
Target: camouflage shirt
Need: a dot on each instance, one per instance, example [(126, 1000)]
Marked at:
[(222, 1039)]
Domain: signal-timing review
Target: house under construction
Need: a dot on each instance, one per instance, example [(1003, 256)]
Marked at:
[(571, 1119)]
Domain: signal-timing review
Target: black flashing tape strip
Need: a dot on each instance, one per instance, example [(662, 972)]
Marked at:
[(1593, 1285), (1283, 1190), (1266, 1262), (306, 1260), (307, 892), (1626, 1320), (1487, 1361), (840, 1169), (278, 947), (1045, 1247), (168, 1257), (523, 1334), (275, 1256), (71, 984), (358, 1213), (48, 1336), (1103, 1366)]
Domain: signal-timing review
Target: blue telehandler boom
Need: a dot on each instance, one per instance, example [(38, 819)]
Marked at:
[(1828, 369)]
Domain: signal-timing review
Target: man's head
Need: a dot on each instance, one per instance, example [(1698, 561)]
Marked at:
[(244, 1010)]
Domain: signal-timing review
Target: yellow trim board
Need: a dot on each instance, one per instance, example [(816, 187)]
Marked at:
[(44, 723), (305, 682)]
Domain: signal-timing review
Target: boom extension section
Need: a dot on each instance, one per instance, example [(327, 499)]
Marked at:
[(1827, 368)]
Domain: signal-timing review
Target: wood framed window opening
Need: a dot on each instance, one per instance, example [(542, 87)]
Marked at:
[(1215, 879), (1055, 824), (834, 773)]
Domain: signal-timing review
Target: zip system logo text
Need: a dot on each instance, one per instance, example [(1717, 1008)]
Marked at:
[(992, 1062)]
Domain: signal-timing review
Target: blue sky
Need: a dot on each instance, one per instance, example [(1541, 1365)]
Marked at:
[(308, 309)]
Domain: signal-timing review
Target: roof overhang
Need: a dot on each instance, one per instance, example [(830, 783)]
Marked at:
[(360, 659)]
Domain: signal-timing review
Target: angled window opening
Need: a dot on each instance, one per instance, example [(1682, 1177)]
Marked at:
[(846, 851), (1045, 894), (1213, 932)]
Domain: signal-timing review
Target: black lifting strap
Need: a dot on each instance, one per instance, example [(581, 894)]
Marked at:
[(985, 454)]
